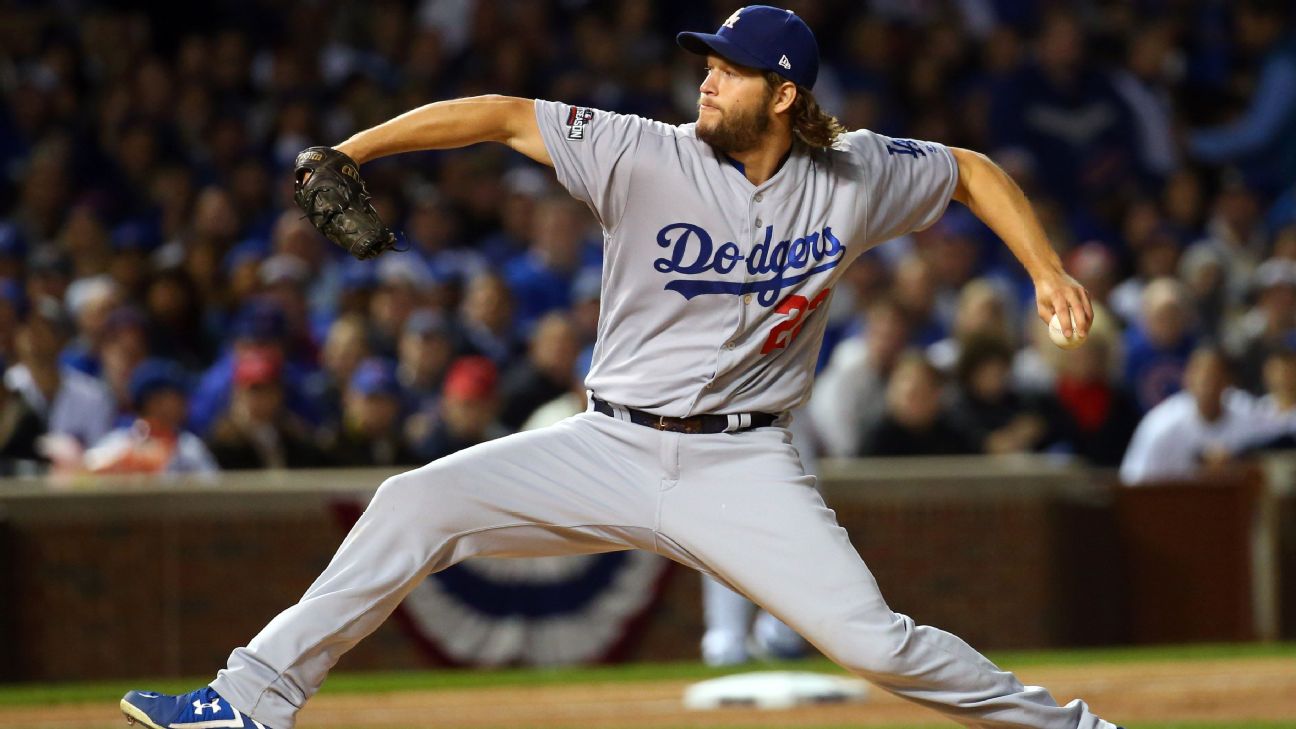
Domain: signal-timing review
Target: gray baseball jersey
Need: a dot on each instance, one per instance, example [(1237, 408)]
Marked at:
[(711, 284), (712, 293)]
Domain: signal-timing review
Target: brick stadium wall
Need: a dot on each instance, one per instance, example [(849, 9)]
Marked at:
[(146, 584), (164, 582), (995, 572), (1002, 557)]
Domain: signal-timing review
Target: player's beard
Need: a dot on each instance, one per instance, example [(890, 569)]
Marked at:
[(738, 131)]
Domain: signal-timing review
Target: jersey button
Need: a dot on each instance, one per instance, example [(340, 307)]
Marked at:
[(759, 197), (747, 299), (758, 222), (729, 345)]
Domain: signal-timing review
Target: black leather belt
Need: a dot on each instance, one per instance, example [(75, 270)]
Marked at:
[(694, 424)]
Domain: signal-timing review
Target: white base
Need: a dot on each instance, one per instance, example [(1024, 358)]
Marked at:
[(774, 690)]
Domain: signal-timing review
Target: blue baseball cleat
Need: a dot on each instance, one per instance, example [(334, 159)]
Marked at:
[(201, 709)]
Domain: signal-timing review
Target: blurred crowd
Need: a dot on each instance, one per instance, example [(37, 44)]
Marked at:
[(164, 308)]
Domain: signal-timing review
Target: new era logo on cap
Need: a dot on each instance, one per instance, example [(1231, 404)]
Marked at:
[(764, 38)]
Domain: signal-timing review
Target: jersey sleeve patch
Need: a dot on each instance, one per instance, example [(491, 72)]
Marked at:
[(578, 118)]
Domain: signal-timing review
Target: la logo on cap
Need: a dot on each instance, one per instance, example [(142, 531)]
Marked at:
[(733, 18)]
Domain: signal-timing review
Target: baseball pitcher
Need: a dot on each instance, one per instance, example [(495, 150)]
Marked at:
[(723, 241)]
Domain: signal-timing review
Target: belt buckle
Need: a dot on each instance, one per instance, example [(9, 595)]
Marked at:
[(661, 422)]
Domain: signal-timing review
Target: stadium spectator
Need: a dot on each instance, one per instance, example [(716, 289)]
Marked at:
[(358, 283), (125, 346), (1156, 255), (1236, 229), (84, 236), (1204, 271), (545, 374), (433, 230), (156, 441), (524, 187), (370, 433), (1278, 405), (1157, 346), (915, 422), (1203, 426), (128, 264), (294, 238), (915, 290), (1088, 387), (955, 257), (177, 325), (260, 325), (486, 320), (257, 430), (49, 273), (89, 301), (469, 408), (569, 403), (849, 394), (283, 280), (1183, 200), (985, 404), (72, 404), (1268, 325), (540, 279), (980, 310), (345, 347), (1279, 400), (425, 352), (1277, 409), (404, 284)]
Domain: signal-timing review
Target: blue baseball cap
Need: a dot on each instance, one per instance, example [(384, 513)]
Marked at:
[(156, 375), (261, 320), (375, 376), (765, 38)]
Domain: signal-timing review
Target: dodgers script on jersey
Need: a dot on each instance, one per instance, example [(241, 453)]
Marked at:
[(714, 288)]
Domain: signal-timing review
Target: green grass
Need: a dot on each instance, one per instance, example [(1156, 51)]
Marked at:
[(27, 694)]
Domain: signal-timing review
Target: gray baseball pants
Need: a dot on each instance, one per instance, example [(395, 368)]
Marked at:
[(735, 505)]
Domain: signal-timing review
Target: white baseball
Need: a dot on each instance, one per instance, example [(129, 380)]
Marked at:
[(1060, 339)]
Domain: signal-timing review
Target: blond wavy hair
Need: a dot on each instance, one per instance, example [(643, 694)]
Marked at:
[(810, 123)]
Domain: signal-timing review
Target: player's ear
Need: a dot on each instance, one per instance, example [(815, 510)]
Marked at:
[(784, 96)]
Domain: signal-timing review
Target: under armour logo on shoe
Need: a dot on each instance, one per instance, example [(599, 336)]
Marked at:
[(785, 63), (199, 706), (732, 19)]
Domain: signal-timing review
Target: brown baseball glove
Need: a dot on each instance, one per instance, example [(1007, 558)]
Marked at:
[(328, 187)]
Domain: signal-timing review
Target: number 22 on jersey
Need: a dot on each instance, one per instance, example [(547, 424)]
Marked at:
[(797, 308)]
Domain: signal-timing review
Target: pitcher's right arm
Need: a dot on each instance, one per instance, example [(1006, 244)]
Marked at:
[(454, 123)]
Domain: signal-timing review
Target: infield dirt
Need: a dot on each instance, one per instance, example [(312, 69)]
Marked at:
[(1232, 690)]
